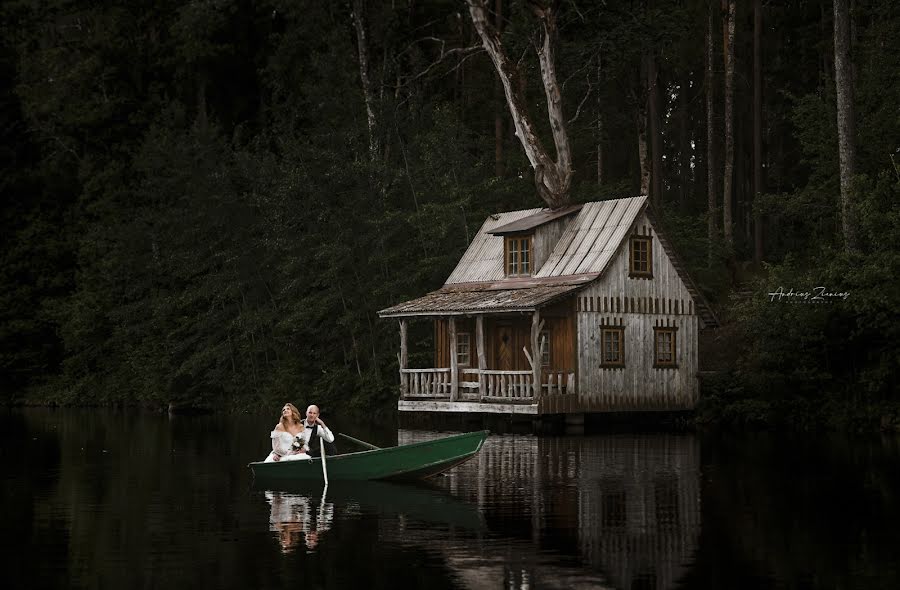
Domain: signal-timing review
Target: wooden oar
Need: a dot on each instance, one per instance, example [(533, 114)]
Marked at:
[(324, 469), (359, 442)]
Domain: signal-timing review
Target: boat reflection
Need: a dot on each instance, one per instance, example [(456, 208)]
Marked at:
[(627, 505), (297, 519), (299, 514)]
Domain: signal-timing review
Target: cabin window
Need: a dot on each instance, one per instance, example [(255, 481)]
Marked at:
[(518, 256), (612, 342), (665, 491), (640, 261), (463, 349), (664, 347), (545, 348), (614, 507)]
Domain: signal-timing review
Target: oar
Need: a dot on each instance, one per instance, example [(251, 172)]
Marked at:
[(324, 469), (359, 442)]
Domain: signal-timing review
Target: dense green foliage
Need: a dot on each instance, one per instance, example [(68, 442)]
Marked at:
[(192, 213)]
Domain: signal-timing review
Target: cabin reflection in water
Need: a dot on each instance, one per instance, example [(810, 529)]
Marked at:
[(626, 506)]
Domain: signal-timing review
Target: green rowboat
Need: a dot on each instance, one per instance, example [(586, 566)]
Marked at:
[(404, 462)]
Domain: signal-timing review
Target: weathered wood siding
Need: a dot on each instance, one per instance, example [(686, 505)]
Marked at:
[(442, 341), (639, 305), (545, 239), (559, 320)]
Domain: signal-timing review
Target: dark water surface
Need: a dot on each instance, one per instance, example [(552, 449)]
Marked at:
[(102, 499)]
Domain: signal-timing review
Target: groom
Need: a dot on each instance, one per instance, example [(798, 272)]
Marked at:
[(313, 429)]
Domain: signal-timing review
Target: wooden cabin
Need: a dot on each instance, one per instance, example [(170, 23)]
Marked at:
[(581, 309)]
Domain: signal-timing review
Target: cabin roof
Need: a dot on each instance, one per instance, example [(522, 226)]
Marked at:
[(591, 241), (483, 259), (526, 224), (586, 246), (584, 251), (482, 298)]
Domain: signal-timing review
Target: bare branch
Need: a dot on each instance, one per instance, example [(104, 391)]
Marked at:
[(583, 99), (459, 64), (465, 52), (575, 6)]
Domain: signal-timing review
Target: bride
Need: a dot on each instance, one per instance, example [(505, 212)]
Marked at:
[(286, 431)]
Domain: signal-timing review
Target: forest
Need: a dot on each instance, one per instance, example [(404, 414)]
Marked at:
[(206, 203)]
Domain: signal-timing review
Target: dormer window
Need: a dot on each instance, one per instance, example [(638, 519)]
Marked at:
[(518, 256), (640, 260)]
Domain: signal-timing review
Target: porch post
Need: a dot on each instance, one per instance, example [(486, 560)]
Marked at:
[(454, 368), (479, 342), (404, 359), (536, 352)]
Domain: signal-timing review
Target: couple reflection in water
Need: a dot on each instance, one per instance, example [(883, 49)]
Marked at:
[(298, 520)]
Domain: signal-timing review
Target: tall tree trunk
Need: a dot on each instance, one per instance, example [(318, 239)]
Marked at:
[(552, 178), (599, 149), (643, 151), (758, 187), (846, 120), (825, 65), (642, 102), (499, 137), (599, 123), (653, 129), (709, 83), (728, 189), (684, 155), (359, 23)]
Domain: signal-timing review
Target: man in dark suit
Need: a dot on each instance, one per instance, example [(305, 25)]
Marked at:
[(315, 428)]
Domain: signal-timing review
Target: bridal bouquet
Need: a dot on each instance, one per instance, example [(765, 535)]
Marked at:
[(297, 445)]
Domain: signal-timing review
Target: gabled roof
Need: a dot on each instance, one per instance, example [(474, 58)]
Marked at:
[(583, 253), (704, 309), (586, 246)]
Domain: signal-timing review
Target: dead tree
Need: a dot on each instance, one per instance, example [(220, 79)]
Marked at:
[(552, 178)]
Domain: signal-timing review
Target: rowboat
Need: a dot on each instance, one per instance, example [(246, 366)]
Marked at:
[(405, 462)]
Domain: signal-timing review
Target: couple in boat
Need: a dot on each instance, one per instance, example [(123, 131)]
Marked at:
[(298, 438)]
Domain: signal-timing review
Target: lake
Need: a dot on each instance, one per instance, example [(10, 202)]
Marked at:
[(120, 499)]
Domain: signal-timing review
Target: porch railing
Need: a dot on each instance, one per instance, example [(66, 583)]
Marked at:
[(484, 385), (425, 382)]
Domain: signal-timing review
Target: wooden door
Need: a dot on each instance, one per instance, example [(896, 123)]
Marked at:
[(504, 350)]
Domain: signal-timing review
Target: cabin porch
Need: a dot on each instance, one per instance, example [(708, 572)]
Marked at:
[(483, 385), (494, 368)]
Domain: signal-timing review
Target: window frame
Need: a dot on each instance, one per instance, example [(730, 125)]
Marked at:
[(619, 364), (545, 334), (673, 348), (520, 240), (634, 272), (468, 353)]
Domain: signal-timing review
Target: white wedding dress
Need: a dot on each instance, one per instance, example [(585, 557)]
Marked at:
[(281, 445)]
